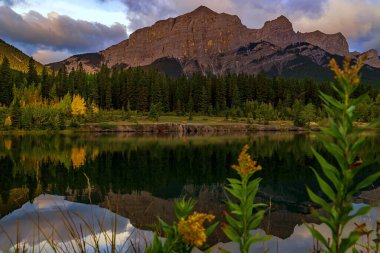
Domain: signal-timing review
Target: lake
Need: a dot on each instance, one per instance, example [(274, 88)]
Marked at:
[(138, 177)]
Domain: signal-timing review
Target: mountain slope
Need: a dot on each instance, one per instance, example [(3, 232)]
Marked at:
[(17, 59), (204, 32), (207, 42)]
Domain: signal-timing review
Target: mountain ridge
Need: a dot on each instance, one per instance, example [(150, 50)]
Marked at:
[(205, 36), (18, 60)]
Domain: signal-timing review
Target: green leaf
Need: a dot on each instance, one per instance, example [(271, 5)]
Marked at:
[(234, 181), (329, 170), (233, 222), (211, 229), (318, 200), (317, 235), (350, 241), (332, 101), (362, 211), (367, 181), (325, 187), (256, 220), (234, 192), (231, 233), (257, 238)]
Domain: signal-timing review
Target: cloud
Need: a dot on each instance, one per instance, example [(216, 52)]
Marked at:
[(57, 32), (11, 2), (48, 56)]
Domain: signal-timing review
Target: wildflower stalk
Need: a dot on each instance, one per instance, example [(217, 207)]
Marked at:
[(338, 180), (242, 219)]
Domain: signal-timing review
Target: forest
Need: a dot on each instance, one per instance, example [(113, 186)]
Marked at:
[(57, 99)]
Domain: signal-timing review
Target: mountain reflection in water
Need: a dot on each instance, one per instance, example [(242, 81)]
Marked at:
[(48, 215), (139, 177)]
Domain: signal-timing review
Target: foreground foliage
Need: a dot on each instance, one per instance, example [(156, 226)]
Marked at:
[(185, 234), (242, 219), (339, 180)]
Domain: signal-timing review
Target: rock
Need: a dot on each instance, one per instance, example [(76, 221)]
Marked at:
[(373, 58), (332, 43), (278, 32), (204, 32), (207, 42)]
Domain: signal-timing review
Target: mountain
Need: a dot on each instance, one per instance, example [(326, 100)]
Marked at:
[(17, 59), (207, 42)]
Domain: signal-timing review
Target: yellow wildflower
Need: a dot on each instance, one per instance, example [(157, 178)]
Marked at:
[(78, 157), (192, 229), (8, 121), (348, 72), (246, 165)]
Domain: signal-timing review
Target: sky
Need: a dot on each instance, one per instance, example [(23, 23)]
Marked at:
[(52, 30)]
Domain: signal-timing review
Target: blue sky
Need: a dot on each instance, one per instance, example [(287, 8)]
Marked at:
[(52, 30)]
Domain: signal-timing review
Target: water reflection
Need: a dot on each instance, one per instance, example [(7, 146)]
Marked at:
[(51, 223), (58, 219), (139, 177)]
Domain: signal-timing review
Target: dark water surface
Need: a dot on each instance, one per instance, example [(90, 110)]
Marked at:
[(139, 177)]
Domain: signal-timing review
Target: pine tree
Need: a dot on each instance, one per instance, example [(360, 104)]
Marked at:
[(6, 88), (190, 107), (45, 84), (204, 101), (32, 72), (235, 96), (16, 113)]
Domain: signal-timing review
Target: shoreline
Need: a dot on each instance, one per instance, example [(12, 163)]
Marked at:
[(191, 128), (180, 128)]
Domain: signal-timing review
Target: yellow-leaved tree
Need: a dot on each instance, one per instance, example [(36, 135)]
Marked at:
[(78, 106), (8, 121)]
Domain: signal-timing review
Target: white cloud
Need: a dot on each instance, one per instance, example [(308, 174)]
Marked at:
[(49, 56)]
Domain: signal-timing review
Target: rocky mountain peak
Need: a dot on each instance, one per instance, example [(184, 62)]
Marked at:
[(281, 22), (279, 32), (203, 34), (202, 10)]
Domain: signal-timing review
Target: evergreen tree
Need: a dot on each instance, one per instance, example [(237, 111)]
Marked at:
[(235, 97), (6, 87), (204, 101), (16, 113), (45, 84), (191, 107), (32, 72)]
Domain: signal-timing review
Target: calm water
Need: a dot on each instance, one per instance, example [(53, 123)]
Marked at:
[(139, 177)]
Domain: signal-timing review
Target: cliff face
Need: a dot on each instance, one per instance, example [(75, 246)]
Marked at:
[(332, 43), (207, 42), (204, 32), (201, 32)]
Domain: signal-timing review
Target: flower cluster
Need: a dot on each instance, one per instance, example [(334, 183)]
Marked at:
[(192, 230), (246, 165), (348, 72)]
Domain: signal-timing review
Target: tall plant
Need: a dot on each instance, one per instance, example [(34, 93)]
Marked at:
[(242, 218), (338, 180)]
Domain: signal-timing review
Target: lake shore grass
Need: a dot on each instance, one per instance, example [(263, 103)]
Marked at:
[(116, 122)]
